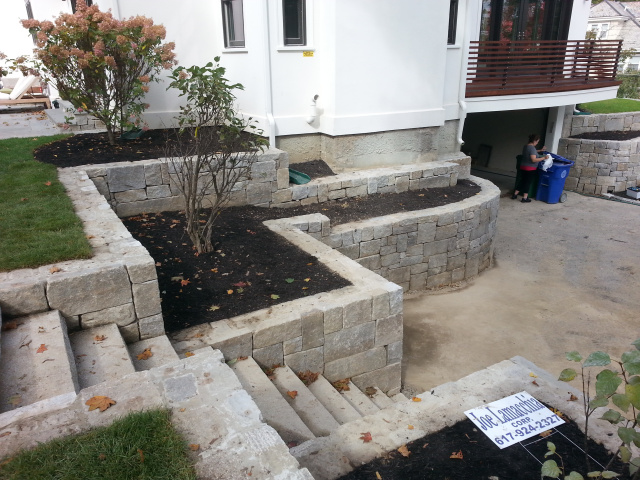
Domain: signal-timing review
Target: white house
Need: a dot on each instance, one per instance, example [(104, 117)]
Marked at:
[(360, 83), (619, 21)]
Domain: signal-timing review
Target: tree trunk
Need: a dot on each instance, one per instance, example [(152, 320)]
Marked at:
[(110, 135)]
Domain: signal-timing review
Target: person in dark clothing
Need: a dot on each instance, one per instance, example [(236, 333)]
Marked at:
[(530, 160)]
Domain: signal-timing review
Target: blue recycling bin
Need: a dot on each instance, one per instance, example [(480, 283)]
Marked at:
[(551, 182)]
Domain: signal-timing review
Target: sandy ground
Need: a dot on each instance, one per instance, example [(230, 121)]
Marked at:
[(566, 277)]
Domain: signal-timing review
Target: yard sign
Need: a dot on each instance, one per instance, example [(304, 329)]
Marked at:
[(513, 419)]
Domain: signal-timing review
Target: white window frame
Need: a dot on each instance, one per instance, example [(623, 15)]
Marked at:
[(601, 30), (309, 44), (231, 9)]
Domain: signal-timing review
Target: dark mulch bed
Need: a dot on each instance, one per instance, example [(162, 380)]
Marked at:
[(94, 148), (250, 264), (629, 135), (430, 457)]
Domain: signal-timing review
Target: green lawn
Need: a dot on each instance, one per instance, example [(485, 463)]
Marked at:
[(615, 105), (141, 445), (37, 222)]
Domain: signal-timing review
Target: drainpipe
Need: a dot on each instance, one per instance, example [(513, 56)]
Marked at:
[(116, 9), (313, 110), (464, 59), (268, 84)]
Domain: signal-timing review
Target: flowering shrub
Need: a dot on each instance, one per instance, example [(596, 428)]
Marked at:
[(101, 64)]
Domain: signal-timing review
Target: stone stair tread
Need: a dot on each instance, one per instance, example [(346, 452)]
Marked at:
[(275, 410), (399, 398), (306, 405), (381, 400), (360, 401), (27, 376), (100, 360), (335, 403), (161, 349)]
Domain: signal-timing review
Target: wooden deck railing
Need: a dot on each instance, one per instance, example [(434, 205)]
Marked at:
[(526, 67)]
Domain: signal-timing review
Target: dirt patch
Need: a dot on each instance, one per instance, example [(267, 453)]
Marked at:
[(252, 268), (476, 457), (313, 168), (617, 135), (94, 148)]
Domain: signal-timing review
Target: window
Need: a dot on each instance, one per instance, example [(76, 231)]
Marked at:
[(600, 30), (233, 23), (453, 21), (73, 4), (294, 22)]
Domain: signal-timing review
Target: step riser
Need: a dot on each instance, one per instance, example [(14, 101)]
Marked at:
[(27, 376), (335, 403)]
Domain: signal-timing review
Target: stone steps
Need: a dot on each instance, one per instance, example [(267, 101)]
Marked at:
[(36, 361), (275, 410), (304, 402), (100, 355), (358, 400), (160, 349), (335, 403)]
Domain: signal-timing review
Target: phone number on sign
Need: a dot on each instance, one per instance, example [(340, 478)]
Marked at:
[(527, 430)]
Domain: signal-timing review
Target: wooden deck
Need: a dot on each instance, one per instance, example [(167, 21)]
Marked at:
[(529, 67)]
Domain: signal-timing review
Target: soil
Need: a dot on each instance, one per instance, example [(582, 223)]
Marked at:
[(313, 168), (617, 135), (94, 148), (431, 457), (243, 274)]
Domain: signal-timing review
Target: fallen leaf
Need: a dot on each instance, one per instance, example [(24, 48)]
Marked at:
[(305, 288), (158, 264), (198, 335), (5, 434), (421, 194), (289, 280), (14, 400), (102, 456), (572, 397), (410, 427), (239, 284), (533, 375), (214, 270), (42, 348), (342, 385), (189, 354), (100, 338), (309, 264), (292, 393), (275, 297), (308, 377), (9, 326), (457, 455), (54, 270), (240, 290), (416, 399), (546, 433), (535, 383), (213, 308), (370, 391), (99, 402), (378, 477), (404, 451), (366, 437), (146, 354), (194, 446), (177, 279), (141, 453), (230, 292), (307, 279), (48, 184), (89, 237)]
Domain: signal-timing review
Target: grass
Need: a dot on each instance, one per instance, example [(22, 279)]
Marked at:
[(615, 105), (141, 445), (37, 222)]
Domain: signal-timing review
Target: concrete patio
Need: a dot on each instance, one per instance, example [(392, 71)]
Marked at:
[(566, 277)]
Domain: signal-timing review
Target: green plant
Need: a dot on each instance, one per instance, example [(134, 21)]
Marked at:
[(619, 387), (101, 64), (212, 152), (630, 85)]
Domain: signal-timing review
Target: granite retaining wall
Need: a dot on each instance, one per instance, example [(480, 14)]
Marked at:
[(602, 166), (605, 122)]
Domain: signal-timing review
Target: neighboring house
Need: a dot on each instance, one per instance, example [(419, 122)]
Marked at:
[(363, 83), (611, 20)]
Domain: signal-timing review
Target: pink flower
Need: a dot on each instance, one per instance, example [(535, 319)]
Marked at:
[(144, 79), (145, 89), (145, 128), (80, 109)]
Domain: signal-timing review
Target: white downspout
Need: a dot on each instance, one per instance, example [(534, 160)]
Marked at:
[(313, 110), (116, 9), (268, 85), (464, 60)]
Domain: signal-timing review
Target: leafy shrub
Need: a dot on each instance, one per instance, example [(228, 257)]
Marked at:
[(102, 64), (630, 85)]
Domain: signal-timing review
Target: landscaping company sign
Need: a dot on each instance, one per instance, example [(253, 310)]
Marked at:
[(513, 419)]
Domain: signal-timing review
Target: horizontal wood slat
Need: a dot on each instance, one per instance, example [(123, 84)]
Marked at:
[(523, 66)]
